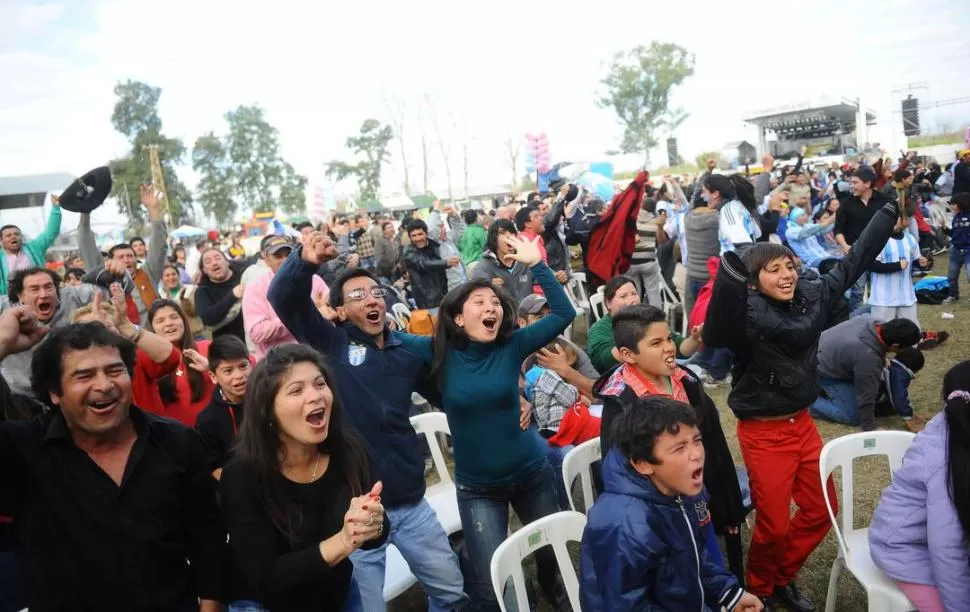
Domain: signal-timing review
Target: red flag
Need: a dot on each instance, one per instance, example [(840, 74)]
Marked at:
[(611, 242)]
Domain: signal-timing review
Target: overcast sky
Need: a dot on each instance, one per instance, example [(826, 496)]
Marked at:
[(515, 68)]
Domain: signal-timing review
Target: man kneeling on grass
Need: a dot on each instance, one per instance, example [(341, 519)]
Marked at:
[(643, 546)]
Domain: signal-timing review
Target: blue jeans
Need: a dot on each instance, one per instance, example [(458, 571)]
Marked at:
[(840, 406), (418, 535), (857, 292), (485, 522), (693, 287), (556, 455), (716, 361), (13, 579), (958, 258), (245, 605)]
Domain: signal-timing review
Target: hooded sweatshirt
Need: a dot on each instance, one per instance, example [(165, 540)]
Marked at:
[(900, 539), (643, 550), (852, 351)]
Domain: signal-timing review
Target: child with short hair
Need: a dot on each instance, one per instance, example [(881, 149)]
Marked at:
[(642, 547), (229, 368), (891, 294), (897, 377), (644, 345), (959, 244)]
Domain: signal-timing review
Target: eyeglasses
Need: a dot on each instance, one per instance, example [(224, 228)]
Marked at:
[(359, 294)]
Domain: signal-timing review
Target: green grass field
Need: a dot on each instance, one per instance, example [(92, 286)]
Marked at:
[(871, 476)]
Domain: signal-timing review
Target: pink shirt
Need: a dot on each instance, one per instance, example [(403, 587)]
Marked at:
[(263, 328), (16, 261)]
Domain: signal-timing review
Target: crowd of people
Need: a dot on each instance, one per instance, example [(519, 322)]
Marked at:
[(189, 427)]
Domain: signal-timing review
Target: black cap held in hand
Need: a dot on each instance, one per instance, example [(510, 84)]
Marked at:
[(88, 192)]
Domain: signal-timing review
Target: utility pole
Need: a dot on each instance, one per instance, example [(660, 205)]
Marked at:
[(158, 179)]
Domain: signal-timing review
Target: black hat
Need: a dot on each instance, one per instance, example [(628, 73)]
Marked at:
[(88, 192)]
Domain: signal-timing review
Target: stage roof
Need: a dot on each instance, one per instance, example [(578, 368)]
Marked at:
[(823, 115)]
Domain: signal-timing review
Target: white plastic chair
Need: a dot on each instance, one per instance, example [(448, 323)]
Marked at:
[(555, 529), (597, 304), (670, 303), (883, 594), (403, 315), (578, 462), (443, 495), (397, 575), (442, 498)]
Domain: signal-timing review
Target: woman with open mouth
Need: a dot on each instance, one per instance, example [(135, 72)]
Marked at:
[(475, 357), (299, 496)]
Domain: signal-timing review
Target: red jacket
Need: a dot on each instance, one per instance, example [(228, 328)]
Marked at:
[(699, 314), (611, 241), (144, 387)]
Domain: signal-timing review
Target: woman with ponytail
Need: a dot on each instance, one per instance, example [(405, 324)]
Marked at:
[(932, 488)]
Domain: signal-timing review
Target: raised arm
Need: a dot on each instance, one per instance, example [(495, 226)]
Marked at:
[(87, 245), (727, 312), (531, 338), (290, 296), (51, 231), (861, 255)]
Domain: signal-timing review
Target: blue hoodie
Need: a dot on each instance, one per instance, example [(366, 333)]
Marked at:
[(644, 551), (375, 385)]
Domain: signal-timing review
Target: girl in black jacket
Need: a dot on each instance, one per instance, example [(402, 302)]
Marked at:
[(771, 320)]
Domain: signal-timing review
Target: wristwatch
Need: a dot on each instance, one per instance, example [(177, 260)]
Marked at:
[(137, 335)]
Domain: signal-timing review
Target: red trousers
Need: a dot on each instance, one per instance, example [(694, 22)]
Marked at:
[(782, 462)]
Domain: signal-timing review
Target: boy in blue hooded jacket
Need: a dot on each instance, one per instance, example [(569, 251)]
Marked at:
[(643, 548)]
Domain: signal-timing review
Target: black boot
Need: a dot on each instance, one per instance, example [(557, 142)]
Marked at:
[(768, 603), (792, 598)]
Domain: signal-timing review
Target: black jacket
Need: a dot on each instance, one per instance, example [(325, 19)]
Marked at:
[(218, 424), (775, 344), (720, 477), (853, 216), (426, 269), (556, 251), (217, 306)]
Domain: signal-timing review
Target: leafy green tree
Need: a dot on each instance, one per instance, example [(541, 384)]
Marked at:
[(245, 170), (702, 158), (136, 116), (215, 192), (371, 144), (637, 89)]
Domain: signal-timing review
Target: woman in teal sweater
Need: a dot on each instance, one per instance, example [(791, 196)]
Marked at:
[(475, 360)]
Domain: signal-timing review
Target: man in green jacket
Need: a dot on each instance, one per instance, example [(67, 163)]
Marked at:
[(473, 238), (20, 255)]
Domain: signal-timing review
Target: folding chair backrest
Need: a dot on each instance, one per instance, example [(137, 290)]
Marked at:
[(597, 303), (577, 290), (555, 530), (578, 462), (841, 452), (403, 315), (430, 424)]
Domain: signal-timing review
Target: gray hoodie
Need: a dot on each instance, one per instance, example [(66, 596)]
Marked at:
[(852, 351)]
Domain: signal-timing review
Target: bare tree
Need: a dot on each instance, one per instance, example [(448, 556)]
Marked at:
[(461, 130), (444, 145), (425, 147), (512, 149), (397, 110)]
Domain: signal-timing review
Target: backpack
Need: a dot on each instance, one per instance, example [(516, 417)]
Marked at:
[(932, 290), (421, 323)]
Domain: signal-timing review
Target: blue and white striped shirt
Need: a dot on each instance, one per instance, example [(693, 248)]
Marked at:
[(895, 288)]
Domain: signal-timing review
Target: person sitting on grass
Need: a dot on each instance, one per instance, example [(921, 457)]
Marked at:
[(851, 360), (645, 348), (642, 547), (918, 535)]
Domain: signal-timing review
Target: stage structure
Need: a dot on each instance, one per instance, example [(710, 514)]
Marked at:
[(827, 126)]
